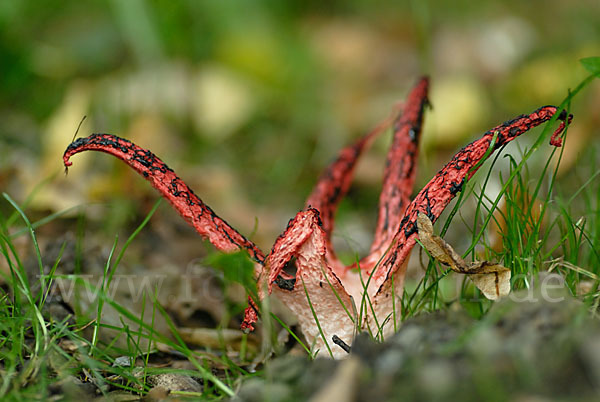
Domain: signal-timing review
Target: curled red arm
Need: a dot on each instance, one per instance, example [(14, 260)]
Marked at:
[(444, 186), (335, 181), (400, 169), (199, 215), (399, 175)]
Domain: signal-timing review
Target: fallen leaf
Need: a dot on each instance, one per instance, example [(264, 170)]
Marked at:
[(492, 279), (174, 382), (215, 338)]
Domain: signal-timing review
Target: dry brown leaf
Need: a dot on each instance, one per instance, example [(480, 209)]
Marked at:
[(216, 338), (492, 279)]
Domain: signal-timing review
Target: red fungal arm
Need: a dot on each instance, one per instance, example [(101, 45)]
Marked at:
[(444, 186), (400, 169), (287, 244), (171, 187), (250, 316), (335, 181)]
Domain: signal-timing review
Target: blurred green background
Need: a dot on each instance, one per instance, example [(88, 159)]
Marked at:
[(248, 101)]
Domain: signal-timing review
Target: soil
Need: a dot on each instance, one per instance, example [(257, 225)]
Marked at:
[(539, 346)]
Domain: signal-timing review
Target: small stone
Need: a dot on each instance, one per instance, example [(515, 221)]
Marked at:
[(122, 361), (174, 382), (437, 377), (390, 362)]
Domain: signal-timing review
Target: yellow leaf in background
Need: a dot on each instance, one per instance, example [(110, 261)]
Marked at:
[(221, 102), (63, 123), (492, 279), (61, 127), (460, 107)]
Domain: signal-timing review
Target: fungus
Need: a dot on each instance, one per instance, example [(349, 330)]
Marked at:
[(329, 298)]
